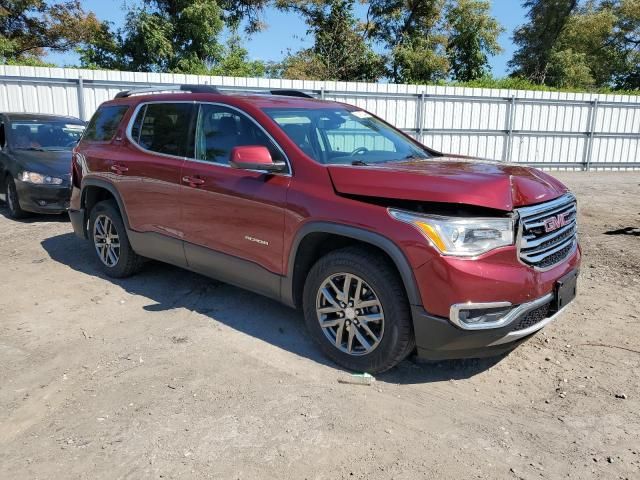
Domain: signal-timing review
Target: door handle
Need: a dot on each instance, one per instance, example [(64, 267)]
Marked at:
[(193, 181), (119, 168)]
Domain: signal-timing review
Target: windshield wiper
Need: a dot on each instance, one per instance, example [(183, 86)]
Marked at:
[(359, 163), (35, 149)]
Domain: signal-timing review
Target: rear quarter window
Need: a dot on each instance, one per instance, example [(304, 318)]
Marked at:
[(104, 123)]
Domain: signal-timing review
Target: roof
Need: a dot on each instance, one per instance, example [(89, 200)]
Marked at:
[(253, 99), (41, 116), (282, 98)]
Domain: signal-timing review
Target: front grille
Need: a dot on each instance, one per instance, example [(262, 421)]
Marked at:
[(548, 232), (534, 316)]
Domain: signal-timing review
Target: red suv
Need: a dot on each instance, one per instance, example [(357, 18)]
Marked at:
[(387, 246)]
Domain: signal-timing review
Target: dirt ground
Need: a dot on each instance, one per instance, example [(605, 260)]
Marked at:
[(171, 375)]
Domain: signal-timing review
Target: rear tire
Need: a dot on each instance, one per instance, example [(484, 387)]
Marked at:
[(13, 202), (110, 242), (366, 325)]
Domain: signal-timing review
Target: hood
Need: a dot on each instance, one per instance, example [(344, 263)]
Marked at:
[(55, 163), (450, 180)]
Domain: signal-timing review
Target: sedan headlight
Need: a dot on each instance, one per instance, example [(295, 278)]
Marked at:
[(39, 178), (461, 237)]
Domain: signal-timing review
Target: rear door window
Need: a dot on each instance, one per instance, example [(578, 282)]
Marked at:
[(165, 128), (104, 123)]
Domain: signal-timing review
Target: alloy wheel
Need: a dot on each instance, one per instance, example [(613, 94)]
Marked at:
[(106, 241), (350, 314)]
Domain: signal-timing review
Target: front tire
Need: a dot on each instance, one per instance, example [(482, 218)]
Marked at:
[(110, 242), (13, 202), (356, 309)]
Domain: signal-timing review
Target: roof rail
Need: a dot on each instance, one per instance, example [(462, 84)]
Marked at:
[(291, 93), (168, 88)]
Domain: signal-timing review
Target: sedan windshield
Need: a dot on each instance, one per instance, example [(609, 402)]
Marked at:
[(45, 134), (350, 137)]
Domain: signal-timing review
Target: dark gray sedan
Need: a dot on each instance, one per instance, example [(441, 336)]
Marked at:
[(35, 161)]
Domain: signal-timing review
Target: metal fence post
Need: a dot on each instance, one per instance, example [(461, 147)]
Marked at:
[(322, 93), (81, 98), (508, 143), (423, 117), (588, 148), (420, 120)]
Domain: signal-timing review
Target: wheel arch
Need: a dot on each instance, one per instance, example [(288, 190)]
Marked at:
[(316, 239), (96, 190)]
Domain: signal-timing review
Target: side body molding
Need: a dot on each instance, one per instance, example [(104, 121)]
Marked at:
[(366, 236)]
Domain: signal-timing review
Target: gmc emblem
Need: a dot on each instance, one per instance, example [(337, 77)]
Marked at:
[(555, 222)]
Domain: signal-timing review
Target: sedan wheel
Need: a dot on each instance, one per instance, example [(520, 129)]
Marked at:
[(13, 202)]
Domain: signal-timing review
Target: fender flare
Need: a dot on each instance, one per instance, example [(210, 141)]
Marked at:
[(366, 236), (96, 182)]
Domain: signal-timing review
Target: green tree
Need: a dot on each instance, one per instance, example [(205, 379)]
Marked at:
[(569, 69), (411, 33), (600, 46), (30, 28), (536, 39), (473, 36), (235, 60), (340, 50), (162, 36), (176, 36), (626, 40)]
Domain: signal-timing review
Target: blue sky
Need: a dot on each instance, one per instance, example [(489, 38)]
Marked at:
[(287, 31)]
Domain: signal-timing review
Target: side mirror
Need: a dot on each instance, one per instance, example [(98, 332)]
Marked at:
[(255, 157)]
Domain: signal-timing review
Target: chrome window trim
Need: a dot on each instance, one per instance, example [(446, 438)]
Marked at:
[(132, 120), (454, 312)]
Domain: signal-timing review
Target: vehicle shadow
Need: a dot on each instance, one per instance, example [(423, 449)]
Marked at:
[(33, 217), (172, 287), (635, 231)]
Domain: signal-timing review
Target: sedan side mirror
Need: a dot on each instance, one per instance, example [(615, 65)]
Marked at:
[(255, 157)]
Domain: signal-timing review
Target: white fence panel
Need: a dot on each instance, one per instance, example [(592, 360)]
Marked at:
[(546, 129)]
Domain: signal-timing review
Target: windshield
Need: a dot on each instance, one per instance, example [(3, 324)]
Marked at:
[(337, 135), (44, 134)]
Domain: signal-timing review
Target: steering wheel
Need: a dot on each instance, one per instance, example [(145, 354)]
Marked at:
[(359, 151)]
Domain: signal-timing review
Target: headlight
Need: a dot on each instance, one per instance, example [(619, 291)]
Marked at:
[(461, 237), (32, 177)]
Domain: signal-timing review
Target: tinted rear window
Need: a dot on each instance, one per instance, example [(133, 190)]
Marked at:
[(165, 128), (104, 124)]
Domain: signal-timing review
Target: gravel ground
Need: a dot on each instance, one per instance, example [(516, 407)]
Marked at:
[(171, 375)]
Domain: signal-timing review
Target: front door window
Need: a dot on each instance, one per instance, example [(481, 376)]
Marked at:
[(221, 128)]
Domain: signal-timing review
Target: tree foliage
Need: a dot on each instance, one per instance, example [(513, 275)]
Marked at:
[(597, 46), (536, 39), (235, 62), (28, 28), (410, 32), (473, 36), (340, 50), (162, 36), (180, 36)]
